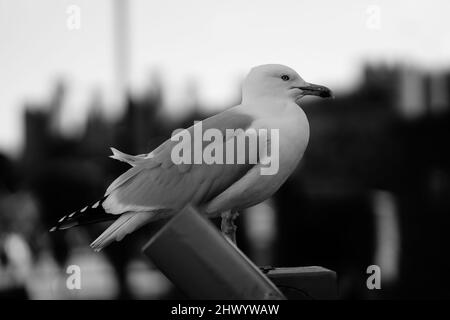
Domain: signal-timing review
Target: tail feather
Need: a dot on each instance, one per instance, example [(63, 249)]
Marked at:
[(125, 224), (89, 214), (134, 161), (131, 160)]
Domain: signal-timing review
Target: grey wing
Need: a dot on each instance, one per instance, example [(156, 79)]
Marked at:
[(155, 183)]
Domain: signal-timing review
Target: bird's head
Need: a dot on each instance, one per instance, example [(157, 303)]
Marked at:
[(278, 81)]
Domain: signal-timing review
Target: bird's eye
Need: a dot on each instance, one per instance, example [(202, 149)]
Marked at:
[(285, 77)]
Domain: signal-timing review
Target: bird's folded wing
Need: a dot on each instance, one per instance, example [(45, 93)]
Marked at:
[(250, 188), (158, 184)]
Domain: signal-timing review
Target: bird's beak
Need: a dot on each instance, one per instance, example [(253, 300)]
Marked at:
[(315, 90)]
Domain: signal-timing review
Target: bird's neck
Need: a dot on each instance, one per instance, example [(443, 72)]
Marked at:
[(249, 98), (270, 107)]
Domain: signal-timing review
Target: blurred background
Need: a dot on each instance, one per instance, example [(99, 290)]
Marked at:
[(78, 76)]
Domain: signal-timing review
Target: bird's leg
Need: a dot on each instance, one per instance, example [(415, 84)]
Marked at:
[(227, 226)]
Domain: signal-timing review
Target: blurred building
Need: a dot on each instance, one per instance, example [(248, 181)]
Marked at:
[(388, 134), (372, 188)]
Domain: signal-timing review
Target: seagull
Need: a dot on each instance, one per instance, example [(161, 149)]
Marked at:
[(156, 187)]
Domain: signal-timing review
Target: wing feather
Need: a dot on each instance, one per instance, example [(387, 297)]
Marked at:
[(156, 183)]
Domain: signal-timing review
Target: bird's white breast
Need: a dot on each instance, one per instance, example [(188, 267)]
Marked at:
[(294, 136), (293, 128)]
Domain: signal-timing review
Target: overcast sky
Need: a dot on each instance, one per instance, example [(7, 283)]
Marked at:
[(213, 42)]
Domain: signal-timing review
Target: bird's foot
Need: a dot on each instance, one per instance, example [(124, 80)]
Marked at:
[(227, 226)]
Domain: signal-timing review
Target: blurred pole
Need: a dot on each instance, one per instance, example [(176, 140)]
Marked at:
[(261, 231), (121, 49), (387, 253)]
